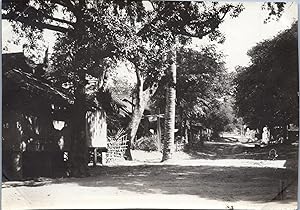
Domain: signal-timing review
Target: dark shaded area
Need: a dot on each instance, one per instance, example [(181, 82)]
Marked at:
[(43, 163), (29, 183), (267, 90), (16, 60), (29, 106), (32, 164), (230, 150), (221, 183)]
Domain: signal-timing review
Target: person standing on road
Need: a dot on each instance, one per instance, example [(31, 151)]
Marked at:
[(265, 135)]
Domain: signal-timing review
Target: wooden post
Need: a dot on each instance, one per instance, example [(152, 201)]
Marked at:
[(95, 157), (132, 104), (282, 191)]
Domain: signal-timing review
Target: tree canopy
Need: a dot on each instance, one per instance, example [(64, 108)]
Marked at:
[(267, 90), (198, 73), (200, 83)]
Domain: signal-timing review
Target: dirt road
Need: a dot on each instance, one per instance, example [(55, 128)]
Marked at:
[(156, 185)]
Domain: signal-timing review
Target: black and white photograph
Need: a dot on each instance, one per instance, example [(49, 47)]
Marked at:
[(130, 104)]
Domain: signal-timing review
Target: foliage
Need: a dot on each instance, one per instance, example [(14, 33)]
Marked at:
[(222, 115), (219, 117), (275, 10), (168, 22), (90, 32), (198, 80), (201, 76), (267, 90), (83, 23), (147, 143), (95, 34), (177, 22), (71, 49), (121, 80), (187, 19)]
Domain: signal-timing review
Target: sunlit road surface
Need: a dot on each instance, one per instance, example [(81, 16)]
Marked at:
[(160, 186), (180, 183), (197, 184), (111, 198), (182, 159), (218, 162)]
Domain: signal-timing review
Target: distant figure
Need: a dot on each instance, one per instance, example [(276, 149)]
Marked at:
[(244, 129), (256, 135), (265, 135)]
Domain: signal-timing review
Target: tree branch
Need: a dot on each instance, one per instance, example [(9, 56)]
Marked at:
[(225, 13), (65, 3), (139, 86), (199, 35), (34, 23), (60, 20), (153, 6), (39, 14), (41, 25), (34, 16)]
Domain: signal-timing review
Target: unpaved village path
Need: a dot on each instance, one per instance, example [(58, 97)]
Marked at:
[(189, 183)]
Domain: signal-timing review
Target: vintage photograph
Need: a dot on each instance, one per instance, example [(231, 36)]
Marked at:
[(110, 104)]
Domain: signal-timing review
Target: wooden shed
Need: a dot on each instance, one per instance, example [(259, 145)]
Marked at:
[(35, 122)]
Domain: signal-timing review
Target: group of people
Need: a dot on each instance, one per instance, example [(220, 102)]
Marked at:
[(255, 136)]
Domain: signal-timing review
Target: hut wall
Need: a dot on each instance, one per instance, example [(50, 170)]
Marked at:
[(12, 135), (26, 135), (96, 127)]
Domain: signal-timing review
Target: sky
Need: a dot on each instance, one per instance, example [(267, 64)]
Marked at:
[(242, 33)]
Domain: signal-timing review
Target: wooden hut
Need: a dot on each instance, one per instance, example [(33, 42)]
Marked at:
[(35, 121), (29, 139)]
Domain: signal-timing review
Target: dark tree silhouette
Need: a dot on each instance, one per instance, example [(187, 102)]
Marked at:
[(267, 90)]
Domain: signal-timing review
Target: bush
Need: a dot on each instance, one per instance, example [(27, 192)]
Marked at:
[(147, 143)]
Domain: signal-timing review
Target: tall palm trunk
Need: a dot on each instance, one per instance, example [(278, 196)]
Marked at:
[(168, 142)]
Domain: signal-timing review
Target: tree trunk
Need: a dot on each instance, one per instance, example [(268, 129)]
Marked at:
[(17, 167), (168, 142), (132, 129), (79, 147), (143, 97), (186, 131)]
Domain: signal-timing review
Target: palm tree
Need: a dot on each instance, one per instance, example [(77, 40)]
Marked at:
[(168, 142)]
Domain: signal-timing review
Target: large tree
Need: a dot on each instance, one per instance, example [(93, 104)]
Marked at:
[(179, 21), (193, 19), (89, 31), (199, 80), (201, 76), (166, 25), (149, 64), (267, 90)]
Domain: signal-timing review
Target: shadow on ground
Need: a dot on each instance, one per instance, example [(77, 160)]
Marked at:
[(230, 184), (221, 183), (220, 150)]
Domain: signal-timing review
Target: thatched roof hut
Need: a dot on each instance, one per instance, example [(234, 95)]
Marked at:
[(32, 110)]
